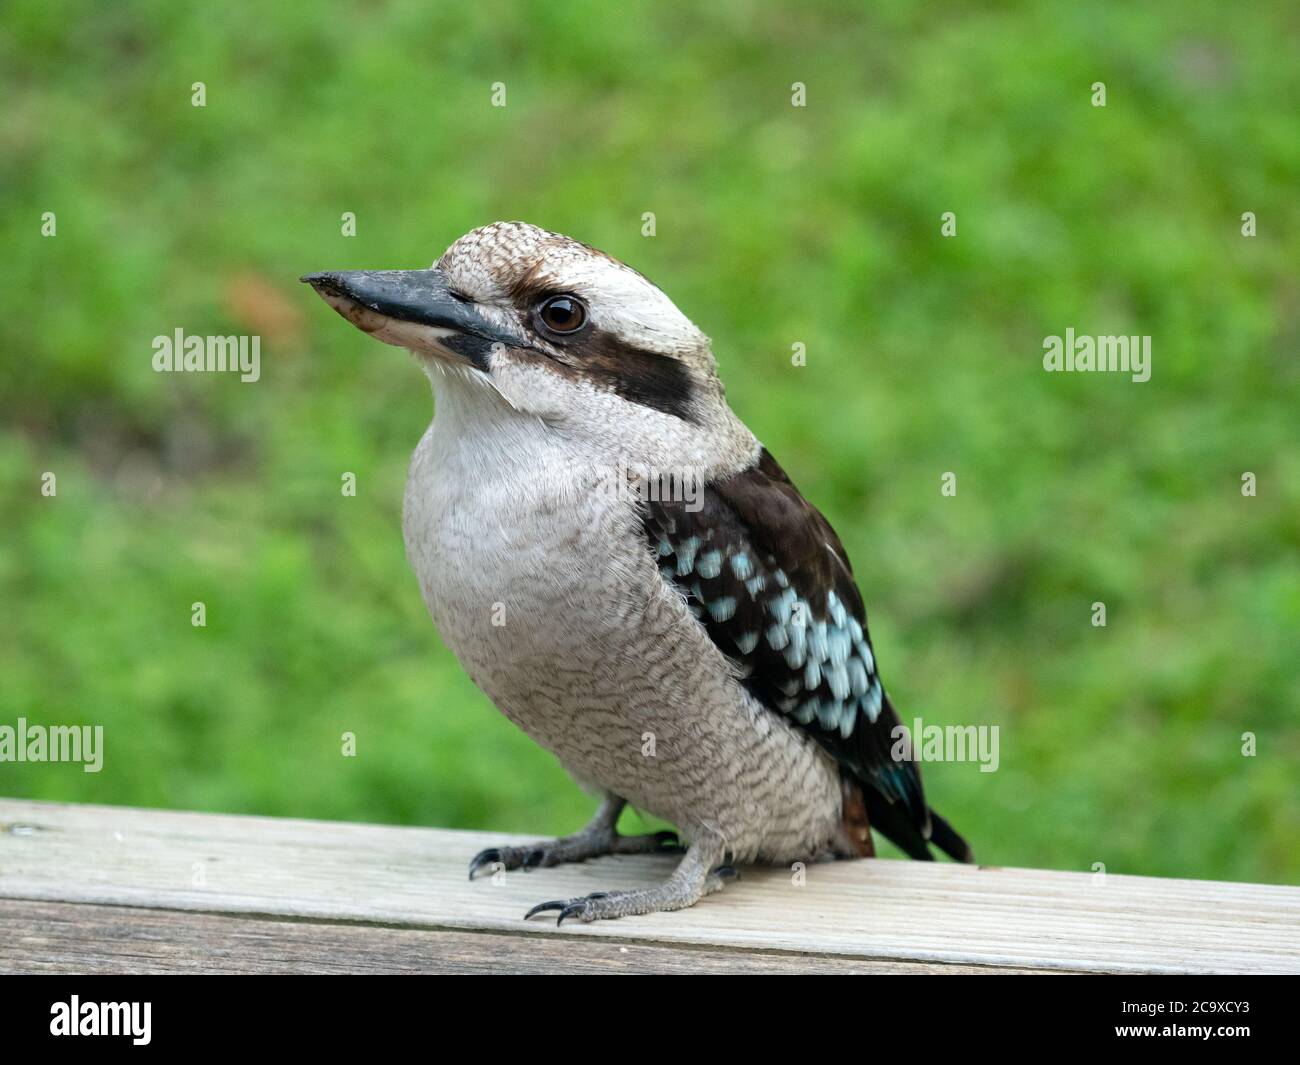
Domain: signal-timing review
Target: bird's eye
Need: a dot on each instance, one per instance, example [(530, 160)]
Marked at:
[(562, 314)]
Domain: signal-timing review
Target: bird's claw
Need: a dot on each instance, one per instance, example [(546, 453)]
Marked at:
[(604, 905), (574, 849), (482, 858), (567, 907), (510, 858)]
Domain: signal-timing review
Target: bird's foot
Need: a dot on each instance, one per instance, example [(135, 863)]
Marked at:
[(590, 843), (676, 893)]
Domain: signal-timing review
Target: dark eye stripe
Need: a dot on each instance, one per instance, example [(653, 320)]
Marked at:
[(641, 376)]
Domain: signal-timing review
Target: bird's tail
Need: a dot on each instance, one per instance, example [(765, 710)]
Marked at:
[(893, 822), (945, 837)]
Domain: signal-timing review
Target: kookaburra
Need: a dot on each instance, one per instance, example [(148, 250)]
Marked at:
[(630, 576)]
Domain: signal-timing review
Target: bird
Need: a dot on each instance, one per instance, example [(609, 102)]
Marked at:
[(629, 575)]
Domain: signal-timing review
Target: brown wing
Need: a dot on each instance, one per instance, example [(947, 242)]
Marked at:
[(768, 578)]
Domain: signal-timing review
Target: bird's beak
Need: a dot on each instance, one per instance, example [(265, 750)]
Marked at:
[(412, 309)]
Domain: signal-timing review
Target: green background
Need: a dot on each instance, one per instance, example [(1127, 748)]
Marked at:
[(775, 225)]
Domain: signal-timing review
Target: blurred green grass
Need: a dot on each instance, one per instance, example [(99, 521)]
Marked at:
[(1119, 745)]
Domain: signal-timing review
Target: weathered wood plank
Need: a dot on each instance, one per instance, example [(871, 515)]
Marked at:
[(65, 937), (415, 878)]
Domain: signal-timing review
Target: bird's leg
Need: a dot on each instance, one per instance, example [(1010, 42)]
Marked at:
[(699, 874), (599, 837)]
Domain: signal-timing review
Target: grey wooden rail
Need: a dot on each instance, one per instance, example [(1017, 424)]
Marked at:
[(91, 889)]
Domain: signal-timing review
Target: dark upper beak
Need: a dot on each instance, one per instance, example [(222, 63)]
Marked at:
[(420, 297)]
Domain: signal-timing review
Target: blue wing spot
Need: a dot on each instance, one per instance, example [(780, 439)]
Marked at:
[(722, 609), (828, 714), (872, 701), (686, 555), (838, 646), (812, 674), (838, 678), (858, 679), (781, 606), (795, 651), (817, 642), (710, 564), (868, 659), (838, 614), (846, 725)]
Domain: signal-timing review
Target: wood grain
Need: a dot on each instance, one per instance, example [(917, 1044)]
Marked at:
[(866, 912), (67, 937)]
